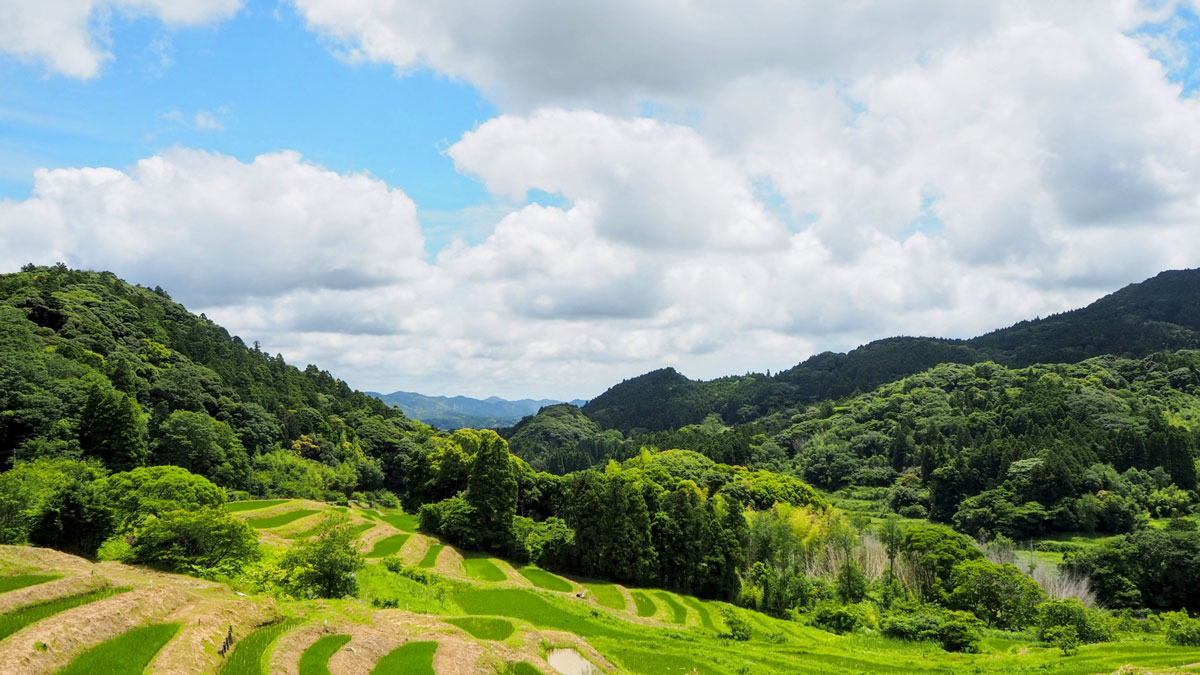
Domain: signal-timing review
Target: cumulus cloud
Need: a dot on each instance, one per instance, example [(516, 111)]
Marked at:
[(653, 184), (214, 229), (70, 37)]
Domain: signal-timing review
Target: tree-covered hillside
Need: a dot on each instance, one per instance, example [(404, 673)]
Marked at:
[(93, 367), (1162, 313)]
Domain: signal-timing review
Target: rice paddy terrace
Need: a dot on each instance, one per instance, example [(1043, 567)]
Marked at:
[(446, 612)]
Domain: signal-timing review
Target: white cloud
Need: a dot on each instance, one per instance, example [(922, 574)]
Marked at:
[(70, 38), (208, 121), (813, 177), (215, 229)]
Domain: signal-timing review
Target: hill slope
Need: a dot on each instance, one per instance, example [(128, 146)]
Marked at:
[(93, 366), (1159, 314)]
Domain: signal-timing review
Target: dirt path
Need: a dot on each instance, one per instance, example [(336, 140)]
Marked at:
[(450, 563)]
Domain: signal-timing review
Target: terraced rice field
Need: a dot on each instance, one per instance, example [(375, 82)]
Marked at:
[(11, 622), (607, 595), (279, 520), (253, 504), (543, 579), (247, 655), (643, 604), (483, 569), (388, 546), (484, 628), (405, 522), (677, 613), (431, 556), (414, 658), (18, 581), (315, 659), (127, 654)]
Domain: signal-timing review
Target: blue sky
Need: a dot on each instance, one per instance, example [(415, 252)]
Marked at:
[(537, 198), (267, 81)]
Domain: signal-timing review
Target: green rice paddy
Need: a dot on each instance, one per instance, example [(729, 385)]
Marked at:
[(543, 579), (484, 628), (17, 581), (414, 658), (247, 655), (483, 569), (281, 519), (15, 620), (405, 522), (388, 545), (253, 504), (643, 604), (678, 613), (608, 595), (431, 556), (315, 659), (126, 654)]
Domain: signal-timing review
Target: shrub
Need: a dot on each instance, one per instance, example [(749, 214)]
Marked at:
[(324, 565), (1184, 633), (1065, 638), (839, 619), (208, 542), (1091, 625), (739, 628), (913, 511), (959, 632), (911, 627), (954, 631)]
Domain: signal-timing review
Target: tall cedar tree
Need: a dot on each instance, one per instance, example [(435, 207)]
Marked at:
[(492, 490)]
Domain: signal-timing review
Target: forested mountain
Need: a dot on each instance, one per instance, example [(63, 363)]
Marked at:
[(458, 412), (91, 366), (1162, 313)]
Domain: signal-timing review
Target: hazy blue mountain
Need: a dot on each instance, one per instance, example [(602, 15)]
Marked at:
[(456, 412)]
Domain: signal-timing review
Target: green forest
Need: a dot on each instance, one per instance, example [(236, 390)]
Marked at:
[(1040, 480)]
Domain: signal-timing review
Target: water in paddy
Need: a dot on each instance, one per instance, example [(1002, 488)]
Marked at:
[(569, 662)]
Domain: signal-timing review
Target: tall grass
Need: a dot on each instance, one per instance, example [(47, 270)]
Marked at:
[(247, 655), (126, 654), (15, 620), (315, 659)]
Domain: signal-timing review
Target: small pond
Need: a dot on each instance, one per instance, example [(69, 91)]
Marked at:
[(570, 662)]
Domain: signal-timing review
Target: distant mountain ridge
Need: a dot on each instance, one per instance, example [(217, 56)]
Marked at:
[(457, 412), (1161, 313)]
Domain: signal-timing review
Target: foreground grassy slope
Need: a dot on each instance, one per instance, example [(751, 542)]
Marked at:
[(478, 622)]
